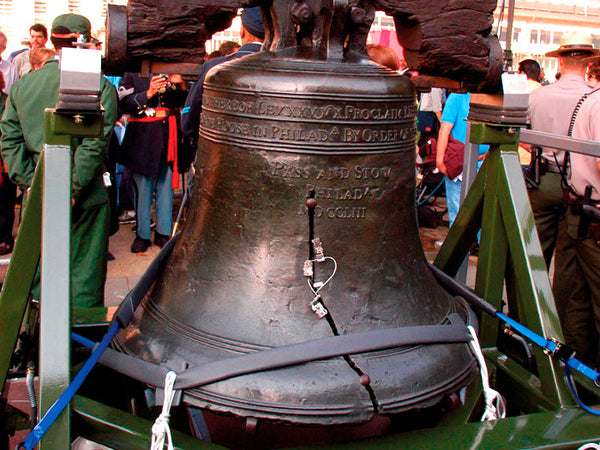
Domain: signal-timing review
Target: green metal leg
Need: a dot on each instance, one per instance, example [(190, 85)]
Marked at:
[(498, 201), (117, 429), (21, 272)]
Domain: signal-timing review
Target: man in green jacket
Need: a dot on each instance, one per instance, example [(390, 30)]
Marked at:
[(22, 128)]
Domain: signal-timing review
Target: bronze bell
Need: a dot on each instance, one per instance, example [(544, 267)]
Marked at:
[(302, 225)]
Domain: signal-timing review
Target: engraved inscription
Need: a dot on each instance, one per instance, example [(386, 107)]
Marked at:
[(358, 172), (311, 112), (343, 194), (342, 212), (363, 193), (338, 212), (304, 135), (288, 171), (332, 134), (232, 127), (376, 135)]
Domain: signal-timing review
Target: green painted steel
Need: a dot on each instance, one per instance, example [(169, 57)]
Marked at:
[(21, 272), (117, 429), (566, 428), (63, 128), (509, 252)]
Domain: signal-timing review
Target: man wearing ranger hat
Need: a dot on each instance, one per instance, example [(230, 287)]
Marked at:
[(550, 110), (22, 128)]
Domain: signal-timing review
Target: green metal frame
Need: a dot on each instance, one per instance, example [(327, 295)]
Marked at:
[(510, 255), (21, 272), (55, 319), (116, 429)]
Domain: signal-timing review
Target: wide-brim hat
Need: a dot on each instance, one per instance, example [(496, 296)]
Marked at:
[(74, 23), (575, 42), (591, 59)]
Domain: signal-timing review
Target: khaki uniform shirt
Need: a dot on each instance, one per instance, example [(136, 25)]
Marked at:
[(584, 169), (551, 108)]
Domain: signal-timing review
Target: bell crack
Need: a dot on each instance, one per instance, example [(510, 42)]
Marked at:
[(364, 378), (313, 242)]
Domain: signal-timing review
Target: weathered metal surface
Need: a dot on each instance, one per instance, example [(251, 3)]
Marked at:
[(284, 159), (446, 39)]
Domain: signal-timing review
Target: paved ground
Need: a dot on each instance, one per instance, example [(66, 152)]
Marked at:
[(126, 269)]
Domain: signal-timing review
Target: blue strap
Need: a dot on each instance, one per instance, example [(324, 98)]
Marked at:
[(594, 411), (551, 347), (540, 341), (87, 343), (59, 405)]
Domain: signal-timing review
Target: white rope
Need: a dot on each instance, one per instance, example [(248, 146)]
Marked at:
[(161, 425), (495, 407)]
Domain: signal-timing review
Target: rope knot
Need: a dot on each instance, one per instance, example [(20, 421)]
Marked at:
[(160, 428)]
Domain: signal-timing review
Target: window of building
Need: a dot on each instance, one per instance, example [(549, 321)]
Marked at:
[(545, 37), (516, 34), (533, 36), (557, 37), (387, 22), (74, 6), (596, 40)]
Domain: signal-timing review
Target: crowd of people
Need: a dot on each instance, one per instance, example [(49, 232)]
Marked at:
[(148, 142), (149, 120)]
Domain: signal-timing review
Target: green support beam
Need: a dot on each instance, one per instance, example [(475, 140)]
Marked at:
[(498, 203), (21, 272)]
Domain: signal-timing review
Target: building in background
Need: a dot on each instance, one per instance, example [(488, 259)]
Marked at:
[(539, 25)]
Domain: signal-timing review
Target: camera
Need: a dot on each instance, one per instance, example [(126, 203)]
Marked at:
[(169, 84)]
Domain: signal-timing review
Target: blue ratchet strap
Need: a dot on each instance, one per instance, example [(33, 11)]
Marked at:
[(59, 405), (553, 348), (594, 411), (87, 343)]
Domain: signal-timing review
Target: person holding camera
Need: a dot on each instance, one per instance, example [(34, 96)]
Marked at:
[(150, 146)]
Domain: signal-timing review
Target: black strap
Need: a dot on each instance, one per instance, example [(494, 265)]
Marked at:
[(566, 160), (289, 355)]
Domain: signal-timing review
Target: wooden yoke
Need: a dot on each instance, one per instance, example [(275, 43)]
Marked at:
[(447, 42)]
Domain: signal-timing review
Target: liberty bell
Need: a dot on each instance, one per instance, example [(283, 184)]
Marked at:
[(302, 226)]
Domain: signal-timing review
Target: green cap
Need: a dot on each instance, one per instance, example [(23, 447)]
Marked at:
[(74, 23)]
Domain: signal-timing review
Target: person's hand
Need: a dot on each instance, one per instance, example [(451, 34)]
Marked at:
[(175, 78), (157, 82), (441, 167)]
